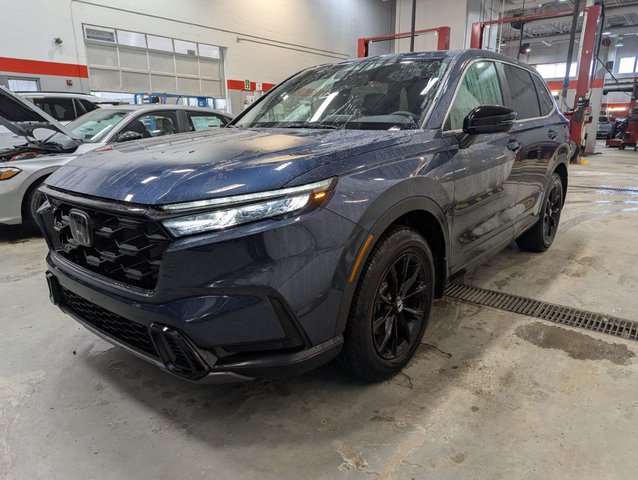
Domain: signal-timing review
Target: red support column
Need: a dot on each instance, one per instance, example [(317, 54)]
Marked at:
[(362, 47), (443, 38), (476, 38), (583, 82)]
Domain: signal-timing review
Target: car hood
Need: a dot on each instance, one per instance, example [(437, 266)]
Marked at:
[(219, 163), (21, 117)]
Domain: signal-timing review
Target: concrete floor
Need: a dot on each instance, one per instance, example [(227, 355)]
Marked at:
[(490, 395)]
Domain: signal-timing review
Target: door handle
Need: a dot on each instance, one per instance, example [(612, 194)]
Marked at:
[(551, 133), (513, 145)]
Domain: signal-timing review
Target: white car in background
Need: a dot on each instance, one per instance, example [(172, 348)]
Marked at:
[(66, 106), (33, 145)]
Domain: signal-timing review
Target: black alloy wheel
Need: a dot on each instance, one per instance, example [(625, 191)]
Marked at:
[(542, 234), (391, 305), (551, 217), (399, 306)]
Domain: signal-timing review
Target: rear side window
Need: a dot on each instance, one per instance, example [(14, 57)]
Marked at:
[(544, 98), (480, 86), (198, 121), (88, 106), (59, 108), (524, 100)]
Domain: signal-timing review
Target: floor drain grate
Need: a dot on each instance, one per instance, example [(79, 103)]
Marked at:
[(614, 189), (547, 311)]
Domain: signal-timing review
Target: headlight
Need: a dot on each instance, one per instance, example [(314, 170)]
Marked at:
[(8, 172), (246, 208)]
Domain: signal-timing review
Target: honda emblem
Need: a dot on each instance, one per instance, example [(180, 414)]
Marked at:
[(81, 228)]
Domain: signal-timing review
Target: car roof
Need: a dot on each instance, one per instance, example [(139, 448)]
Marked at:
[(163, 106), (456, 55), (86, 96)]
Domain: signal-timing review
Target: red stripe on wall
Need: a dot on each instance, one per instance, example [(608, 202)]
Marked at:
[(240, 85), (37, 67), (558, 84)]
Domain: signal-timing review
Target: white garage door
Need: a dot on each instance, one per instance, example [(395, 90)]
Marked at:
[(133, 62)]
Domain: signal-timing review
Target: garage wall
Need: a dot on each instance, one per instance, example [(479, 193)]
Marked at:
[(456, 14), (264, 41)]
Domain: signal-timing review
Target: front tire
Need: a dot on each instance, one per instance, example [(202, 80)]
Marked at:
[(33, 200), (391, 306), (541, 236)]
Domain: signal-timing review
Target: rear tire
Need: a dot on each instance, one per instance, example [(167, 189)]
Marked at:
[(33, 200), (541, 236), (391, 306)]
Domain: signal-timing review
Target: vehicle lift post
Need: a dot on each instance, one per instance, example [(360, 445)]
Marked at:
[(442, 39), (630, 135), (581, 112)]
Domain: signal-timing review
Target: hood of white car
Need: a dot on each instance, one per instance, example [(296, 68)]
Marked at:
[(22, 117)]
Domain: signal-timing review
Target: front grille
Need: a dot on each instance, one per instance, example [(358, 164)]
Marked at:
[(124, 248), (111, 324)]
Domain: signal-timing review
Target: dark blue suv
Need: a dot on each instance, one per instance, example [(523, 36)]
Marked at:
[(323, 222)]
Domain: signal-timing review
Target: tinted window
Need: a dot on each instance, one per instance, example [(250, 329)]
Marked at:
[(203, 121), (544, 98), (79, 108), (154, 124), (59, 108), (524, 100), (88, 106), (480, 86)]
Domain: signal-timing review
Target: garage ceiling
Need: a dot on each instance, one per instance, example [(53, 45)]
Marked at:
[(620, 14)]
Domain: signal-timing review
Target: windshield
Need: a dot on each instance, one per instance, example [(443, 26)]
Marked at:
[(92, 127), (379, 94)]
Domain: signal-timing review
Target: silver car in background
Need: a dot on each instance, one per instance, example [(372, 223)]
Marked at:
[(33, 145)]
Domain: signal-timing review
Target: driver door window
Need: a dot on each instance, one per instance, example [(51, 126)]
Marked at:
[(480, 86)]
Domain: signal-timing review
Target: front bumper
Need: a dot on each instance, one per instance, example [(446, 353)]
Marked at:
[(260, 300), (209, 368), (11, 194)]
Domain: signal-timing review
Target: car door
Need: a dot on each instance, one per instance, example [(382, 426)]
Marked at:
[(485, 190), (538, 134)]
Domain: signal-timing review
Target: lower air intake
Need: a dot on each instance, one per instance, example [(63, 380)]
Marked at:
[(176, 352)]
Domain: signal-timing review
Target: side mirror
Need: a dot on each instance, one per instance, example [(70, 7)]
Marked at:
[(128, 136), (489, 119)]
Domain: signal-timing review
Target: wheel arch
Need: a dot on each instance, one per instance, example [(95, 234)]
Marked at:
[(420, 213), (561, 170), (33, 184)]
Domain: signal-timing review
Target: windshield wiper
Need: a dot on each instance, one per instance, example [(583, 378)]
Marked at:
[(323, 126)]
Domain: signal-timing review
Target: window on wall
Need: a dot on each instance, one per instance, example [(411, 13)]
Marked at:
[(555, 70), (23, 85), (627, 65), (132, 39), (159, 43), (134, 62)]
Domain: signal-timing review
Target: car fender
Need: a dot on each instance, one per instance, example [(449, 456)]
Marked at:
[(376, 220)]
